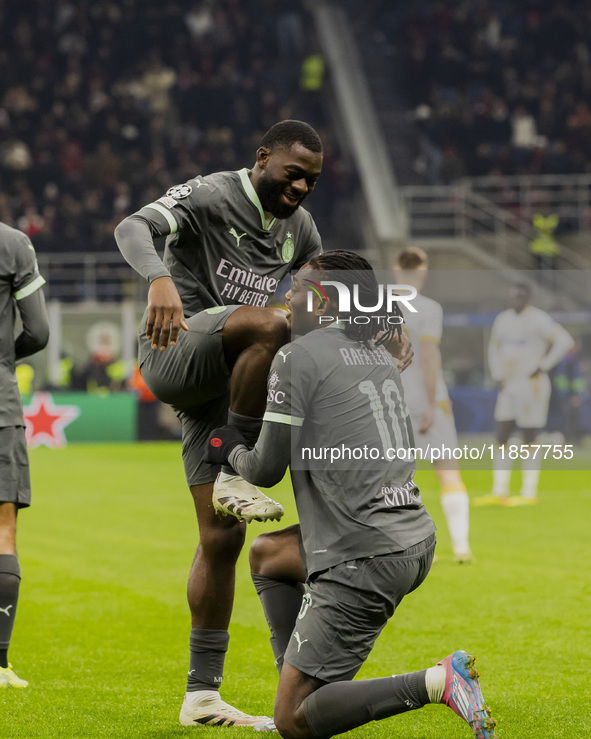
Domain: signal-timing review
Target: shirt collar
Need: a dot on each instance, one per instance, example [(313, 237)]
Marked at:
[(254, 198)]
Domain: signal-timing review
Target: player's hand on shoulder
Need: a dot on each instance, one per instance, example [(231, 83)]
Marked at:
[(400, 348), (221, 442), (165, 313), (406, 353)]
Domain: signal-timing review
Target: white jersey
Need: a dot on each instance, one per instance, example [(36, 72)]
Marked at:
[(522, 343), (424, 325)]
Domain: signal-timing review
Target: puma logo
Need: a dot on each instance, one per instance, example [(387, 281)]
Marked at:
[(5, 611), (283, 356), (236, 236), (299, 641)]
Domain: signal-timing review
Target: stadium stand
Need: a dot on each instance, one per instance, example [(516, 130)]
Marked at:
[(494, 87), (105, 105)]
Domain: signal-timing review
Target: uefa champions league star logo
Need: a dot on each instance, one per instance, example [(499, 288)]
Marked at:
[(179, 191)]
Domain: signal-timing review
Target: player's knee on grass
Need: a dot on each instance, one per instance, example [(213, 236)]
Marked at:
[(289, 714), (247, 326), (290, 720)]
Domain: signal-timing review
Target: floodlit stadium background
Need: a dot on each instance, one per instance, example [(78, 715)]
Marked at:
[(448, 126)]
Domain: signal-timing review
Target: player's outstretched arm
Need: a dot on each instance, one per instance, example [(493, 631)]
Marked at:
[(264, 465), (35, 333)]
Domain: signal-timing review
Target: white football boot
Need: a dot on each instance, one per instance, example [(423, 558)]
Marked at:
[(205, 707), (233, 495), (9, 680)]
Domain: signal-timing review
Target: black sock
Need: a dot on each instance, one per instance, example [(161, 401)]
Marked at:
[(10, 579), (249, 427), (339, 707), (208, 649), (281, 603)]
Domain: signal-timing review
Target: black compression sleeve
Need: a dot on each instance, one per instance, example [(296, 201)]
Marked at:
[(35, 333), (264, 465)]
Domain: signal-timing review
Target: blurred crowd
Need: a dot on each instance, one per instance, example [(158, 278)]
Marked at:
[(496, 87), (104, 105)]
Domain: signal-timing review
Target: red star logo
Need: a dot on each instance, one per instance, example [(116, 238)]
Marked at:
[(45, 422)]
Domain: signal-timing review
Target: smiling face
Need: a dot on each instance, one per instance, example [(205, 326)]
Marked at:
[(282, 178)]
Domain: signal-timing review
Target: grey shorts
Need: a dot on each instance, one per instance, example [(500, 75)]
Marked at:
[(15, 483), (194, 379), (346, 607)]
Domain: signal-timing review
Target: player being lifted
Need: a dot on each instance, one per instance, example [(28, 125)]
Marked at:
[(205, 347), (20, 284), (428, 400), (366, 538), (525, 343)]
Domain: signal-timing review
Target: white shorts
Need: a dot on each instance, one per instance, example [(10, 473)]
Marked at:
[(442, 431), (525, 401)]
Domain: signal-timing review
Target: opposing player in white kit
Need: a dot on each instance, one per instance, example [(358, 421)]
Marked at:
[(428, 401), (525, 343)]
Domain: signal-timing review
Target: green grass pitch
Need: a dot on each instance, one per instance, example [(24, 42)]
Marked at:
[(102, 629)]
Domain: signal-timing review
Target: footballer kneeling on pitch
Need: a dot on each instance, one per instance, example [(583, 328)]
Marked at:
[(365, 537)]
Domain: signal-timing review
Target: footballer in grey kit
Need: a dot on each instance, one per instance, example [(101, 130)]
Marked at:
[(221, 248), (365, 540), (20, 291), (322, 401), (206, 343)]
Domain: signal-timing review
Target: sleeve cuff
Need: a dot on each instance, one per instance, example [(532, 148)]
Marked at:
[(29, 289), (163, 272), (283, 418)]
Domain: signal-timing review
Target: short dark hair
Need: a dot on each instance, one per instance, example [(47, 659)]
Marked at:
[(285, 134), (412, 258), (352, 269)]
